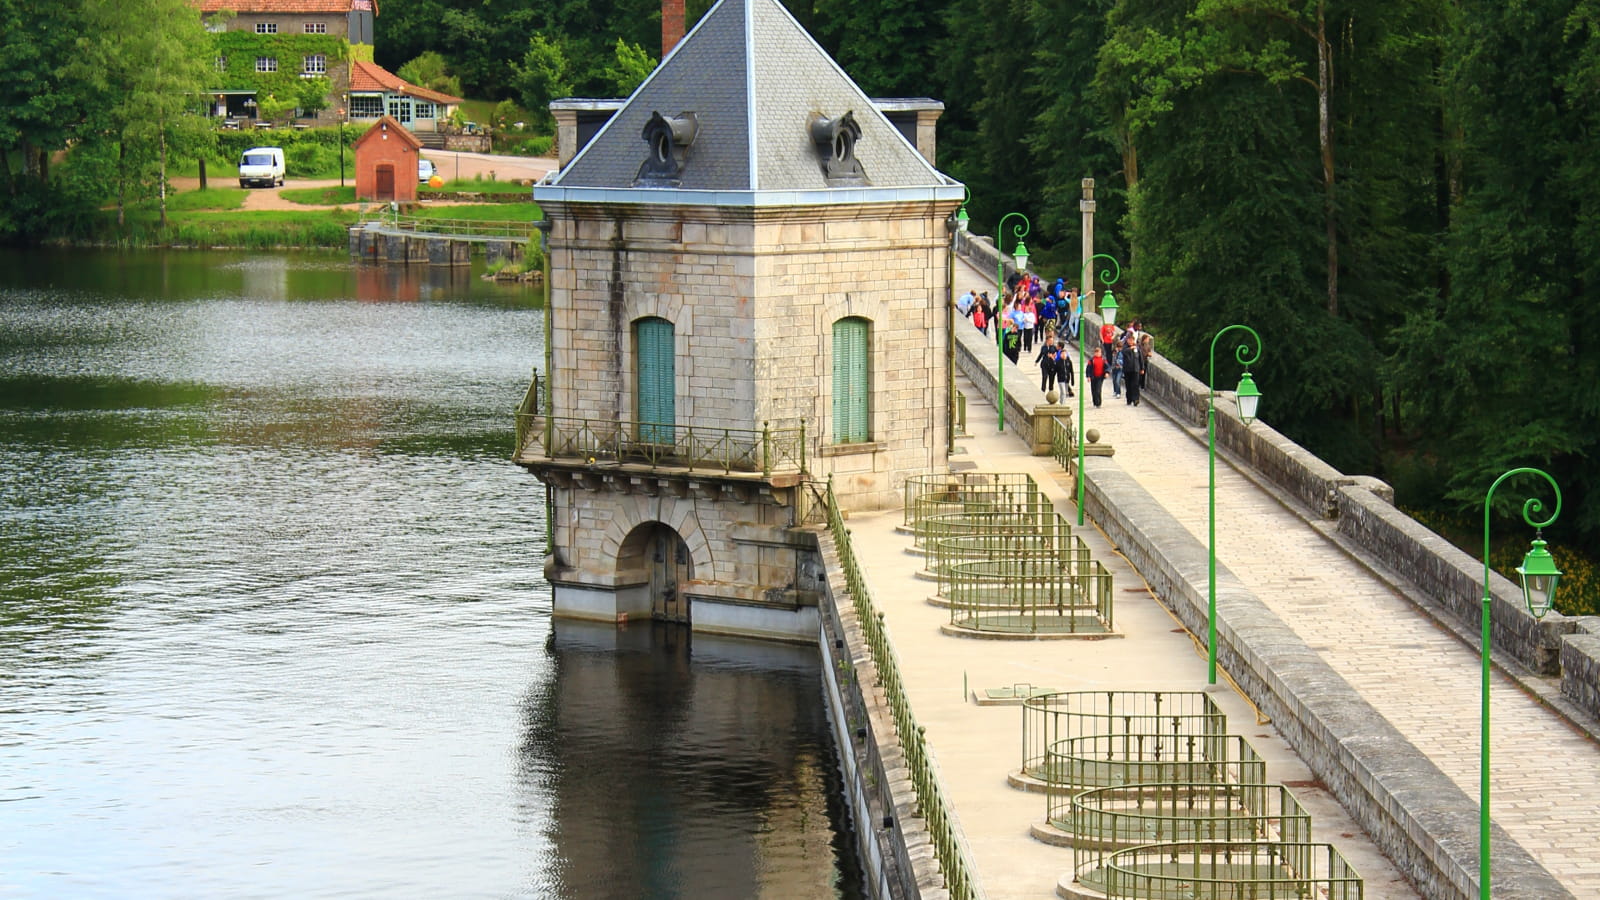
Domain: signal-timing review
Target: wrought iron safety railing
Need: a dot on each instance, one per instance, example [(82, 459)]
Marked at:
[(947, 845), (1048, 718), (1226, 870), (692, 447), (1103, 821), (1064, 447)]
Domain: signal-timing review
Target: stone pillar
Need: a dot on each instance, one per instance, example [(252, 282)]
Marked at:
[(394, 248), (1086, 206), (1047, 417)]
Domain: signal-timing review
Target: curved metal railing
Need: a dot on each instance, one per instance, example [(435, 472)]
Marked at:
[(1038, 518), (1128, 760), (1053, 717), (1105, 820), (957, 492), (1227, 870), (1050, 542), (1031, 594)]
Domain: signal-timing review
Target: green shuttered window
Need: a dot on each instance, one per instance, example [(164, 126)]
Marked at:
[(656, 385), (851, 366)]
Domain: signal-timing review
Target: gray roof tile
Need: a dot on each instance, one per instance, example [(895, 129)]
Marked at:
[(754, 79)]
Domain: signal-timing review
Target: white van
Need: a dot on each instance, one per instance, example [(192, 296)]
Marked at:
[(261, 167)]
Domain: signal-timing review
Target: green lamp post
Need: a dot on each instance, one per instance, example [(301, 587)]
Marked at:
[(1249, 401), (1539, 577), (1021, 253), (1109, 276)]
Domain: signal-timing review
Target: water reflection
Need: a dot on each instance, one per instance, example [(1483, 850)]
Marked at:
[(682, 745), (272, 620)]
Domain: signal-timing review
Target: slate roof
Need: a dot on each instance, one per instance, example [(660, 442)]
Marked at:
[(365, 76), (754, 79)]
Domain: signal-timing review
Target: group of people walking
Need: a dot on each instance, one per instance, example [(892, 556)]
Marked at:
[(1031, 313)]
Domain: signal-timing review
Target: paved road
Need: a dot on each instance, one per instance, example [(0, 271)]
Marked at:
[(1422, 679)]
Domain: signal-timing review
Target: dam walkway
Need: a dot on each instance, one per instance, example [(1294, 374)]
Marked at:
[(1417, 671)]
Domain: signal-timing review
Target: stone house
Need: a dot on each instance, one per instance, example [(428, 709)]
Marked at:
[(273, 46), (749, 276)]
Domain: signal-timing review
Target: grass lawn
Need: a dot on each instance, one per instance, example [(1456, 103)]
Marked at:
[(248, 229), (216, 198), (320, 195)]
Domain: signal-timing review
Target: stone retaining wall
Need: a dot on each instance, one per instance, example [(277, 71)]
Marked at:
[(1580, 664), (1416, 815)]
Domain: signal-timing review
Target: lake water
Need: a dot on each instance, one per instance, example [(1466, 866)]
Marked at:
[(272, 620)]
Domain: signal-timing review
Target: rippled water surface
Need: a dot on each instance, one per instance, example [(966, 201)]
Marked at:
[(272, 620)]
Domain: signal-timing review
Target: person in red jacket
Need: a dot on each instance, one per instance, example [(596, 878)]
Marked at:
[(1095, 371)]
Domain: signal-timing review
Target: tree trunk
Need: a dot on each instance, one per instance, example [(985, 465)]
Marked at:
[(1325, 137), (163, 179), (5, 169), (202, 173), (122, 183)]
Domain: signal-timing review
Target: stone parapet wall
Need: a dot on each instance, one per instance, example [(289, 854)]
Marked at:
[(1580, 664), (1451, 578), (1415, 814)]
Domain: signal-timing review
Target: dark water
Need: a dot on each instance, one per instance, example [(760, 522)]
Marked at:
[(272, 621)]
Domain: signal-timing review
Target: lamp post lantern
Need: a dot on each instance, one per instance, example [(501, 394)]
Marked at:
[(1539, 577), (1109, 276), (1021, 252), (1249, 399)]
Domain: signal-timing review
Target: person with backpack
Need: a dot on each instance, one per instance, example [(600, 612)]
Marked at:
[(1049, 360), (1132, 368), (1095, 370)]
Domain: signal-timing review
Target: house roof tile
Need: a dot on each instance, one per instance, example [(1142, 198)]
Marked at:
[(279, 6), (365, 76)]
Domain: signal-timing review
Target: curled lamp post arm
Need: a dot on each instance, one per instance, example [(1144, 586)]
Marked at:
[(1246, 358), (1018, 232), (1531, 507), (1109, 276)]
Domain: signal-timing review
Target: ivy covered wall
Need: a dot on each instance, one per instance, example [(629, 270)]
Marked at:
[(241, 48)]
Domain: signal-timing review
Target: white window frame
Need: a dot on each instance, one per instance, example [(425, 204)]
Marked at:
[(222, 63), (316, 28), (374, 109), (266, 28), (315, 64), (266, 64)]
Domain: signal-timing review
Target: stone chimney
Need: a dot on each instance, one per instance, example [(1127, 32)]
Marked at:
[(671, 25)]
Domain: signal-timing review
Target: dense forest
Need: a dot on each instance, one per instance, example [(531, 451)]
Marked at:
[(1402, 196)]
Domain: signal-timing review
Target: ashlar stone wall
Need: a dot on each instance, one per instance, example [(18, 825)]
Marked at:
[(753, 294)]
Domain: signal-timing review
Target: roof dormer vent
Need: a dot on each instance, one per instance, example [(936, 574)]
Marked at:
[(835, 139), (668, 139)]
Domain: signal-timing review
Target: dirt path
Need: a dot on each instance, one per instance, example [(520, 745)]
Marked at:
[(451, 165)]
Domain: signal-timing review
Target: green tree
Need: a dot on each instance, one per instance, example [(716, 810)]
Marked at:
[(431, 70), (630, 67), (542, 76)]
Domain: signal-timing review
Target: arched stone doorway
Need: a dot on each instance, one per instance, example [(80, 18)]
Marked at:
[(658, 554)]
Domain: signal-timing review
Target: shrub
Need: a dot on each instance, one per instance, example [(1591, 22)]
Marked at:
[(305, 159)]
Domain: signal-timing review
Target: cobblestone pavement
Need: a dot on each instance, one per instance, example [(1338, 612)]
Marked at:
[(1423, 679)]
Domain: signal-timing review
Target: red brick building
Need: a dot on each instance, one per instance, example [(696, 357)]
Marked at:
[(386, 162)]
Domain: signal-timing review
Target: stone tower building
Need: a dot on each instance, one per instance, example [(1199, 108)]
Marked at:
[(748, 291)]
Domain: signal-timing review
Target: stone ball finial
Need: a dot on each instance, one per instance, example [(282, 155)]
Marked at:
[(1051, 397), (1092, 435)]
